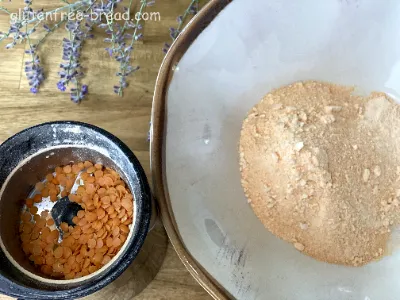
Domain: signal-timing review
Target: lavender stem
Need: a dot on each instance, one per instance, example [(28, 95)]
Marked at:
[(29, 41), (2, 8), (186, 13), (52, 29)]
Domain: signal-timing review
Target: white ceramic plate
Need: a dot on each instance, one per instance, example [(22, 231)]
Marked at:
[(251, 47)]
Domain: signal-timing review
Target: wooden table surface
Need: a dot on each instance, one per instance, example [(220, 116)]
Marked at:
[(157, 273)]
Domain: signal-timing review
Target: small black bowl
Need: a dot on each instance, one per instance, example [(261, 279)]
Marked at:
[(25, 159)]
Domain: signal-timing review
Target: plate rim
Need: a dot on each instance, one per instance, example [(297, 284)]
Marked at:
[(157, 138)]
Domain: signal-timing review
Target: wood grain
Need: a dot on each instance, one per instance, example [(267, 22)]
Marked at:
[(151, 276)]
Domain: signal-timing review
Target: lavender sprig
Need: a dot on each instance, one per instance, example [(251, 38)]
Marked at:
[(71, 70), (113, 29), (192, 9), (33, 70), (71, 67), (118, 37), (124, 55)]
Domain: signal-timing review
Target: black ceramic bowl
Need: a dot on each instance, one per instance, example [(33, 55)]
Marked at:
[(25, 159)]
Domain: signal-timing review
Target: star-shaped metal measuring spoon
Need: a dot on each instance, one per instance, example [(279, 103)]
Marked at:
[(63, 210)]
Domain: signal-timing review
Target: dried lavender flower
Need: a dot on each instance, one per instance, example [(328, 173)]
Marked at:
[(150, 3), (34, 72), (118, 38), (79, 93)]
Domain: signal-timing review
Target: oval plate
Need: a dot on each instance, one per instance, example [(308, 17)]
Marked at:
[(226, 59)]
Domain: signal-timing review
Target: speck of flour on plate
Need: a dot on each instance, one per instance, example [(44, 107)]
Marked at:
[(320, 167)]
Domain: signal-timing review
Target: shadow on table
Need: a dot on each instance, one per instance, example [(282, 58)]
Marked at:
[(142, 271)]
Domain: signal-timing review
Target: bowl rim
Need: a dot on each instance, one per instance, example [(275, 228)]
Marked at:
[(157, 138), (8, 287)]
